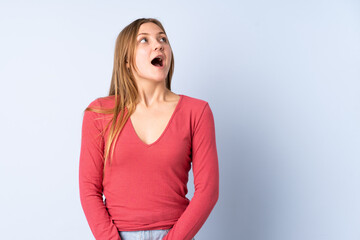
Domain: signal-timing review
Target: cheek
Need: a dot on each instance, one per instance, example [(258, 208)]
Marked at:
[(168, 53), (141, 55)]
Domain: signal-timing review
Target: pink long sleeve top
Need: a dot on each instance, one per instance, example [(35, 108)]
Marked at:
[(145, 186)]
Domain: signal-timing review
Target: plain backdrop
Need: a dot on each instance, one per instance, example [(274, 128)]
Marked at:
[(281, 77)]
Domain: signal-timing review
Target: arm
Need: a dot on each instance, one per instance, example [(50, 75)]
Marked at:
[(90, 179), (206, 179)]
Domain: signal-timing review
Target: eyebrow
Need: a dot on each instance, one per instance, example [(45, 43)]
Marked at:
[(148, 33)]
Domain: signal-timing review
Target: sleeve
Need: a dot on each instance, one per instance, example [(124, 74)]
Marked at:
[(206, 179), (90, 179)]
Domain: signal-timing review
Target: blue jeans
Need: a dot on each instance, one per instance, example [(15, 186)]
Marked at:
[(144, 235)]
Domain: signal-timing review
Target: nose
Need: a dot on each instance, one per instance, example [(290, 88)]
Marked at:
[(158, 46)]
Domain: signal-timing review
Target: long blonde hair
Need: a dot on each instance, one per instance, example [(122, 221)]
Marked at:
[(123, 85)]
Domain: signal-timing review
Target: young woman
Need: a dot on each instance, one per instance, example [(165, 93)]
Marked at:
[(138, 145)]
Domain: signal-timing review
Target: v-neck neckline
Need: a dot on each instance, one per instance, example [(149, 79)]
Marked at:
[(163, 133)]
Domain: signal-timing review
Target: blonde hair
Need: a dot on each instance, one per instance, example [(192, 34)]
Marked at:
[(123, 85)]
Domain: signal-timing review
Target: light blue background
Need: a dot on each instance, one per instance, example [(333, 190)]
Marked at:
[(282, 79)]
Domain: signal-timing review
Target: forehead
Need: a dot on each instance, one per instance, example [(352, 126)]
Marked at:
[(150, 28)]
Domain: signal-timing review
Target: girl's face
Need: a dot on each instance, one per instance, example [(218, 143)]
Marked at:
[(151, 43)]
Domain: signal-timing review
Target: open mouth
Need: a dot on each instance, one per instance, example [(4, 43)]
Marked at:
[(158, 62)]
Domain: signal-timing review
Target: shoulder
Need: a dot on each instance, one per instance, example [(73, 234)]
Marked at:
[(102, 102), (98, 118), (198, 110), (195, 106), (200, 115)]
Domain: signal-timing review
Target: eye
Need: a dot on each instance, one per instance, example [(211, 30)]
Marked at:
[(164, 39), (143, 39)]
